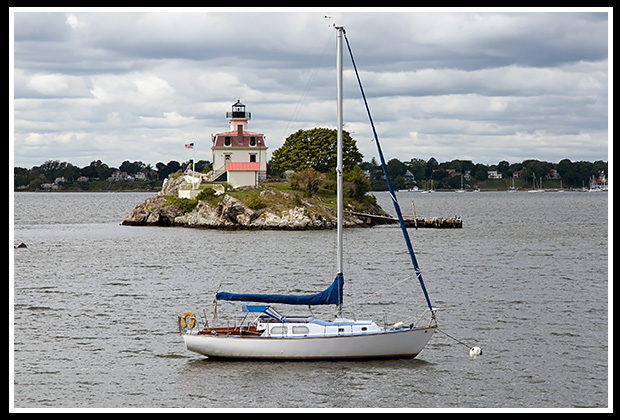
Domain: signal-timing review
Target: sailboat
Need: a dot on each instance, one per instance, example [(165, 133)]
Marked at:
[(271, 335)]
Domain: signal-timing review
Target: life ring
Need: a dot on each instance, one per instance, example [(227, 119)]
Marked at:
[(192, 319)]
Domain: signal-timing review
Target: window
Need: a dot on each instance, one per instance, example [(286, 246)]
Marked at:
[(300, 329), (278, 330), (252, 158), (252, 140), (227, 141)]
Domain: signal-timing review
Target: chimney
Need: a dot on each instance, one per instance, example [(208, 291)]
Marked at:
[(240, 133)]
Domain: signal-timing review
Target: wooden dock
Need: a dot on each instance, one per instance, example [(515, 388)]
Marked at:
[(417, 222)]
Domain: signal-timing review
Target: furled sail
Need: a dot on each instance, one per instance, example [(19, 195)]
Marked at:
[(330, 296)]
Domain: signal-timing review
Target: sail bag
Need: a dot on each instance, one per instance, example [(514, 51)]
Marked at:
[(330, 296)]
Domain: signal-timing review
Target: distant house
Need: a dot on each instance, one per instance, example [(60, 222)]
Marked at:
[(140, 176), (494, 175), (49, 187), (118, 176)]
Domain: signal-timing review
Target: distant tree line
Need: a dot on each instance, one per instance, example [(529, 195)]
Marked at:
[(316, 149), (298, 154), (52, 170), (418, 172)]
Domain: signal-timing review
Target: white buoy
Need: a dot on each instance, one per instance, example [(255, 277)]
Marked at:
[(475, 351)]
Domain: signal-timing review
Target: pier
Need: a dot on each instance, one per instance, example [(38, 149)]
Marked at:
[(416, 222)]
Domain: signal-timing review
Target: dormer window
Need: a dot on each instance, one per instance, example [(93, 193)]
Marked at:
[(227, 140), (252, 140)]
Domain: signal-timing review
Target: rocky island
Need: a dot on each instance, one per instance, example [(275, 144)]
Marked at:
[(265, 207)]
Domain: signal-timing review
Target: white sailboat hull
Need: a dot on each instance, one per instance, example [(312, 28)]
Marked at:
[(402, 343)]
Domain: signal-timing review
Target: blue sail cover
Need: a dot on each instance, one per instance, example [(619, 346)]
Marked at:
[(330, 296)]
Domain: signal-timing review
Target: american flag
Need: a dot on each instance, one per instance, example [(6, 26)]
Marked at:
[(189, 145)]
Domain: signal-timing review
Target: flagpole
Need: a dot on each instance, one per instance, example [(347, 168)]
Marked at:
[(191, 146)]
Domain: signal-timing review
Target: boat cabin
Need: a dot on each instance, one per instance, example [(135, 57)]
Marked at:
[(270, 323)]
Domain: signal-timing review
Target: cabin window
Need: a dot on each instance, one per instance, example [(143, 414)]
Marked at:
[(252, 140), (252, 158), (300, 329), (278, 330), (227, 140)]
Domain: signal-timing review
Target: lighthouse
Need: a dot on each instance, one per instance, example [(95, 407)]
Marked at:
[(239, 153), (238, 116)]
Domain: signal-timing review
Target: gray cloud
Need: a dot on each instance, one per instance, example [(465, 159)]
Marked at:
[(483, 85)]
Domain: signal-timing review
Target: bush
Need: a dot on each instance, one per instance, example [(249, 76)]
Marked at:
[(309, 180), (359, 185), (254, 201), (206, 194), (185, 204)]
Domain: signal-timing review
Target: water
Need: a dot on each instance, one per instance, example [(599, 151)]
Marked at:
[(526, 279)]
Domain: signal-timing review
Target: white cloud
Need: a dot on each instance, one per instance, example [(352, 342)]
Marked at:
[(73, 22)]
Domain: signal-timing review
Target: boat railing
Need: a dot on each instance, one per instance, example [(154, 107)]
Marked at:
[(426, 319)]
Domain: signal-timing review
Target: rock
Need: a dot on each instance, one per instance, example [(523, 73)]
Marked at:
[(231, 213), (202, 216), (154, 211)]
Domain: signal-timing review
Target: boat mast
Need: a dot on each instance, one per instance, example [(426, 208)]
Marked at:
[(339, 179)]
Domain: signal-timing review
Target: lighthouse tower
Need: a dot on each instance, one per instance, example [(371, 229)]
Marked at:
[(239, 153), (238, 117)]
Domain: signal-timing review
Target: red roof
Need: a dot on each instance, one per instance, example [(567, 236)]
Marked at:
[(242, 166), (218, 140)]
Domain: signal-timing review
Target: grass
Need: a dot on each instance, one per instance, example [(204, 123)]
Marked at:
[(275, 197)]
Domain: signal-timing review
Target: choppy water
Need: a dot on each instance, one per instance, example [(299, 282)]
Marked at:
[(526, 279)]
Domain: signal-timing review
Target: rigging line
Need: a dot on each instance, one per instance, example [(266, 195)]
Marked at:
[(389, 183), (455, 339), (297, 109)]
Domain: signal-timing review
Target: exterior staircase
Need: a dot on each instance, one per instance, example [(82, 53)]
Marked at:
[(214, 175)]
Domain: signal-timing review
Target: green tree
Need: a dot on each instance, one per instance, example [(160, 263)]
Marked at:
[(502, 167), (417, 167), (315, 148), (479, 171), (97, 169), (431, 165), (132, 167), (358, 183), (310, 178), (395, 168)]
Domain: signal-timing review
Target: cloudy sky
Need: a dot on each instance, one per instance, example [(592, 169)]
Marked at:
[(485, 85)]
